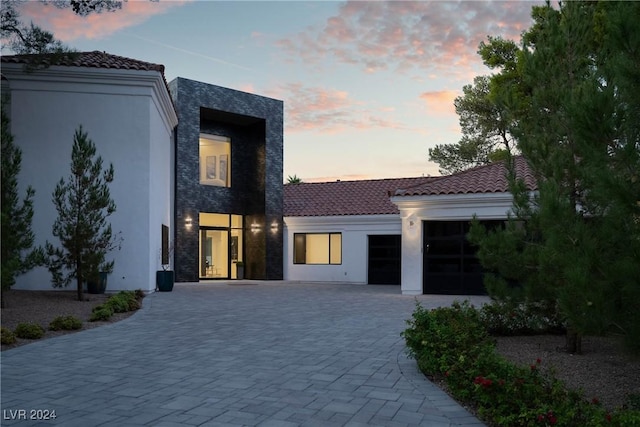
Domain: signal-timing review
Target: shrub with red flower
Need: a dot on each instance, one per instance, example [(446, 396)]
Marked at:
[(547, 419), (482, 381)]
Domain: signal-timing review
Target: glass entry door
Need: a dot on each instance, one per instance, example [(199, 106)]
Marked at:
[(214, 253)]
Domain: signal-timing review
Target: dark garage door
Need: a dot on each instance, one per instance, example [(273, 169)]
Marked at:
[(384, 259), (450, 262)]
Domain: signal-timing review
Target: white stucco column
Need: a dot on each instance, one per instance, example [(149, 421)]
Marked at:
[(411, 282)]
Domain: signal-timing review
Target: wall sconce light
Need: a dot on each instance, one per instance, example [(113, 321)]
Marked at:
[(188, 222), (274, 227), (255, 228), (413, 223)]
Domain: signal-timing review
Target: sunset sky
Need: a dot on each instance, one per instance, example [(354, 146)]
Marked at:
[(368, 86)]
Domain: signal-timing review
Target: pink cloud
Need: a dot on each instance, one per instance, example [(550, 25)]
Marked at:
[(440, 102), (330, 110), (68, 26), (406, 35)]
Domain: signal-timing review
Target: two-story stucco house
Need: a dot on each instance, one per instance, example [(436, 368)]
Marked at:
[(203, 160)]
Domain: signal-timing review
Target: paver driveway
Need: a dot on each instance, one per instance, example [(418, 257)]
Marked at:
[(256, 353)]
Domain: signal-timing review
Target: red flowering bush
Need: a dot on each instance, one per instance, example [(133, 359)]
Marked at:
[(452, 343)]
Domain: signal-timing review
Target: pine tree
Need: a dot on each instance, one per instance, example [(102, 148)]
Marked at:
[(579, 130), (18, 254), (83, 203), (485, 137)]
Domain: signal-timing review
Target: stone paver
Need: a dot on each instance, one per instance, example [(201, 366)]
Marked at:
[(236, 354)]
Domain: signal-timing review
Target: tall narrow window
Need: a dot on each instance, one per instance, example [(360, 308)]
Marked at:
[(215, 160), (317, 248), (165, 245)]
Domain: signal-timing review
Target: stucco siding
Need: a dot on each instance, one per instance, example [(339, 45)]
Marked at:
[(128, 131), (355, 231)]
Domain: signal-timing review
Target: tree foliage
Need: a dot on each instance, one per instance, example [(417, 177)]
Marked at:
[(83, 203), (575, 109), (18, 254), (484, 113), (295, 179), (485, 135), (31, 39)]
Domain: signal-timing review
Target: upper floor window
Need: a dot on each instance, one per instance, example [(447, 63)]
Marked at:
[(215, 160), (317, 248)]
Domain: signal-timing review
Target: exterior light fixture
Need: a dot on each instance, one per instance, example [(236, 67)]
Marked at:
[(188, 222), (274, 227), (255, 228), (413, 226)]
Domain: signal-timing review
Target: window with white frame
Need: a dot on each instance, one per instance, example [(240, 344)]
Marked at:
[(215, 160), (317, 248)]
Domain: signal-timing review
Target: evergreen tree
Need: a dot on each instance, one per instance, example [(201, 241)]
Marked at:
[(18, 254), (83, 203), (578, 125), (484, 131)]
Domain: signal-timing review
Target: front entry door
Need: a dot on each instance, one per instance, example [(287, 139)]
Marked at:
[(214, 253)]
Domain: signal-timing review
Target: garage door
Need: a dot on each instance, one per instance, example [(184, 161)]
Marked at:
[(450, 262), (384, 259)]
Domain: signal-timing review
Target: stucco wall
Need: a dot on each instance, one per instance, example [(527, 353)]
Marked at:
[(119, 111), (355, 231)]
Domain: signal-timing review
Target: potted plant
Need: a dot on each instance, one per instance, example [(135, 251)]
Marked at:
[(240, 270), (165, 277), (97, 282)]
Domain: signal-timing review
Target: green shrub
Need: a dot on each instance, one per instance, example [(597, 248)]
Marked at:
[(7, 336), (633, 401), (31, 331), (452, 344), (132, 298), (124, 301), (139, 294), (65, 323), (506, 317), (121, 302), (118, 303), (445, 336), (100, 313)]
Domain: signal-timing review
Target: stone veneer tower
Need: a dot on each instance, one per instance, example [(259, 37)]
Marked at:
[(254, 125)]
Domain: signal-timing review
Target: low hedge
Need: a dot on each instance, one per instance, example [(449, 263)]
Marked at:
[(121, 302), (30, 331), (65, 323), (452, 344), (7, 336)]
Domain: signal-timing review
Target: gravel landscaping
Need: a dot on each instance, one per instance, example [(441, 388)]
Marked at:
[(42, 307)]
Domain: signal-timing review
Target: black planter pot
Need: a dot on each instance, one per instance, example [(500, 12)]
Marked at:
[(97, 285), (164, 280)]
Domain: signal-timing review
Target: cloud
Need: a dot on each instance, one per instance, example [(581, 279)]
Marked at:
[(401, 36), (440, 102), (67, 26), (330, 110)]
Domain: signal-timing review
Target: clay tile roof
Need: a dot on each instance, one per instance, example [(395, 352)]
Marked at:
[(366, 197), (95, 59), (482, 179)]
